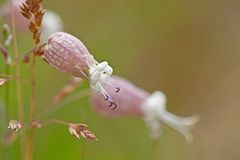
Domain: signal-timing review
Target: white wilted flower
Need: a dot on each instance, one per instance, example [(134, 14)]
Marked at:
[(134, 101), (15, 125)]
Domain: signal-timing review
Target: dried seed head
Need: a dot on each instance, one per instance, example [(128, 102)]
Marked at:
[(15, 125), (79, 130), (31, 10)]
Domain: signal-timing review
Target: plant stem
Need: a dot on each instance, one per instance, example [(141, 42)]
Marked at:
[(82, 150), (18, 83), (7, 71), (54, 121), (54, 107), (33, 88), (7, 86), (30, 144)]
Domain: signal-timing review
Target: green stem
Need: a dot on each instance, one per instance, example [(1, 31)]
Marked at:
[(40, 117), (18, 83), (82, 151), (7, 88), (30, 144), (55, 107)]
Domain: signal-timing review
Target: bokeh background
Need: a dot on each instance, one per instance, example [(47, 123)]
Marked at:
[(189, 49)]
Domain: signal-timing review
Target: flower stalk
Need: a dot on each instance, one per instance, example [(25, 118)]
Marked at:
[(18, 82), (32, 11)]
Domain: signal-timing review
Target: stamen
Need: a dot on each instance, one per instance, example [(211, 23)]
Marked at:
[(113, 104), (117, 89), (107, 97), (110, 104)]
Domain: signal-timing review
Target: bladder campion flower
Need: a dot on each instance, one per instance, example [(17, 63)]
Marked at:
[(68, 54), (134, 101)]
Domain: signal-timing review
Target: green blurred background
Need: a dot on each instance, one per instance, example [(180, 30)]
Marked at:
[(189, 49)]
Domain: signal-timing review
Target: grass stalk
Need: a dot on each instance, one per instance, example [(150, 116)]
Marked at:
[(18, 82), (7, 88), (30, 144)]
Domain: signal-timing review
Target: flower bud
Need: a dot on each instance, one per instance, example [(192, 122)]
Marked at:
[(134, 101)]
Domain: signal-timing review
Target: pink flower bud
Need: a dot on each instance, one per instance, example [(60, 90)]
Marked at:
[(68, 54), (134, 101)]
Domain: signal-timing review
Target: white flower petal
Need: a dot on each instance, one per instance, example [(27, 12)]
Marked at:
[(155, 113)]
